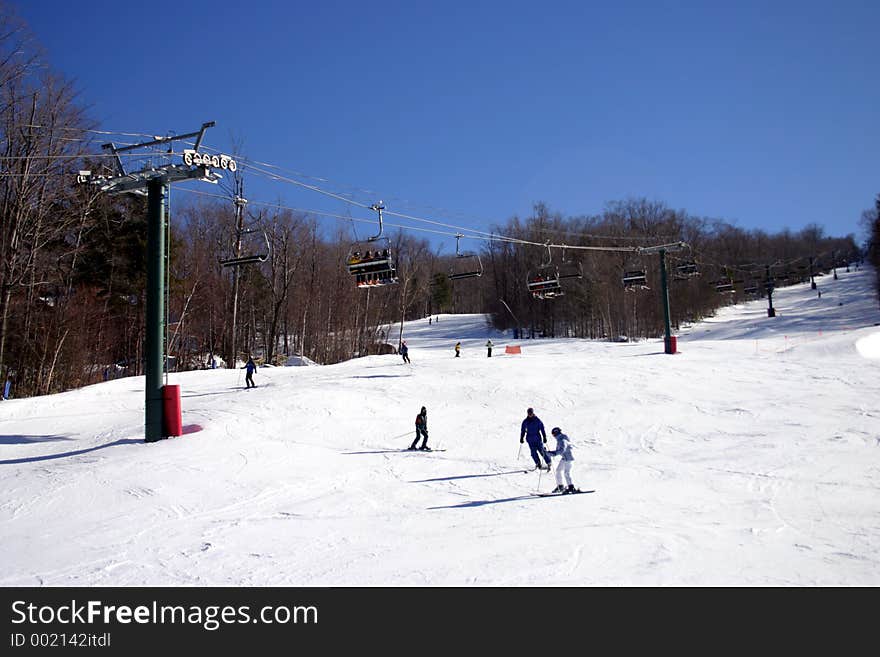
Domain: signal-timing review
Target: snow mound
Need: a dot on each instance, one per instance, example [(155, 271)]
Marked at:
[(299, 361), (869, 346)]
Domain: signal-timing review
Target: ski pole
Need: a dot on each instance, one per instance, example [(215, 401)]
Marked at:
[(519, 453), (540, 472)]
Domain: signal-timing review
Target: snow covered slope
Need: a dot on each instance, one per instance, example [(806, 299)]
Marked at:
[(752, 457)]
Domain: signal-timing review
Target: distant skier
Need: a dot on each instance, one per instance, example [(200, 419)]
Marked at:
[(533, 430), (489, 346), (457, 349), (404, 351), (563, 451), (250, 366), (421, 430)]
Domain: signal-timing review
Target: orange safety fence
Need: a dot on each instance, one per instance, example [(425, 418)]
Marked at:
[(511, 349)]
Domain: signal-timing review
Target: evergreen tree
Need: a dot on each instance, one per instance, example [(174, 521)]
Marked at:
[(441, 291)]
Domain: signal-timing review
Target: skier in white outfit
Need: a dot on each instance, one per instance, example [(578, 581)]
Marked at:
[(563, 451)]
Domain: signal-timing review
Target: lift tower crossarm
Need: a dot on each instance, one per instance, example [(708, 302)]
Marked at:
[(674, 246), (199, 134)]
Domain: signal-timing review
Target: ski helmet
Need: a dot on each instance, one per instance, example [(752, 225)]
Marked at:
[(555, 430)]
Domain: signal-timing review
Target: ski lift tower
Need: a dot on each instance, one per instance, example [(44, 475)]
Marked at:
[(153, 182), (669, 340), (768, 286)]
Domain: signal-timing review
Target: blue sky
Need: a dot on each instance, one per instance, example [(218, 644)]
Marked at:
[(764, 114)]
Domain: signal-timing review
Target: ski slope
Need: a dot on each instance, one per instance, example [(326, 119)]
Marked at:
[(752, 457)]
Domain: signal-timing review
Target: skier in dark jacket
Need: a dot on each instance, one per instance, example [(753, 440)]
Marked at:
[(421, 430), (533, 430), (404, 351), (250, 366)]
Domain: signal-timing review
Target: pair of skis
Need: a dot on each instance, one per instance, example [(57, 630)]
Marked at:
[(576, 491), (560, 494)]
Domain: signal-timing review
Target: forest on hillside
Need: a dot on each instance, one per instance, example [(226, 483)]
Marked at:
[(73, 262)]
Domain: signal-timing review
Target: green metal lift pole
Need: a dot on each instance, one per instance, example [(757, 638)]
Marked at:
[(155, 327), (665, 294), (669, 340), (771, 311)]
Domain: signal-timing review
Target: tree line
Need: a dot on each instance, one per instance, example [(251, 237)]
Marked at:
[(721, 264), (73, 263), (870, 222)]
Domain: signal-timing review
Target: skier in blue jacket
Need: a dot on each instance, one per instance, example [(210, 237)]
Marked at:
[(251, 367), (563, 451), (533, 430)]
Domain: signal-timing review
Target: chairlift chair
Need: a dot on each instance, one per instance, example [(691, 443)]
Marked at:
[(751, 278), (724, 285), (545, 283), (466, 265), (370, 261), (545, 286), (371, 264), (569, 268), (635, 279), (685, 271), (254, 255)]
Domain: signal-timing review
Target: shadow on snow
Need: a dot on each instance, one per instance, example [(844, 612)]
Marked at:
[(62, 455), (467, 505), (491, 474), (26, 440)]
